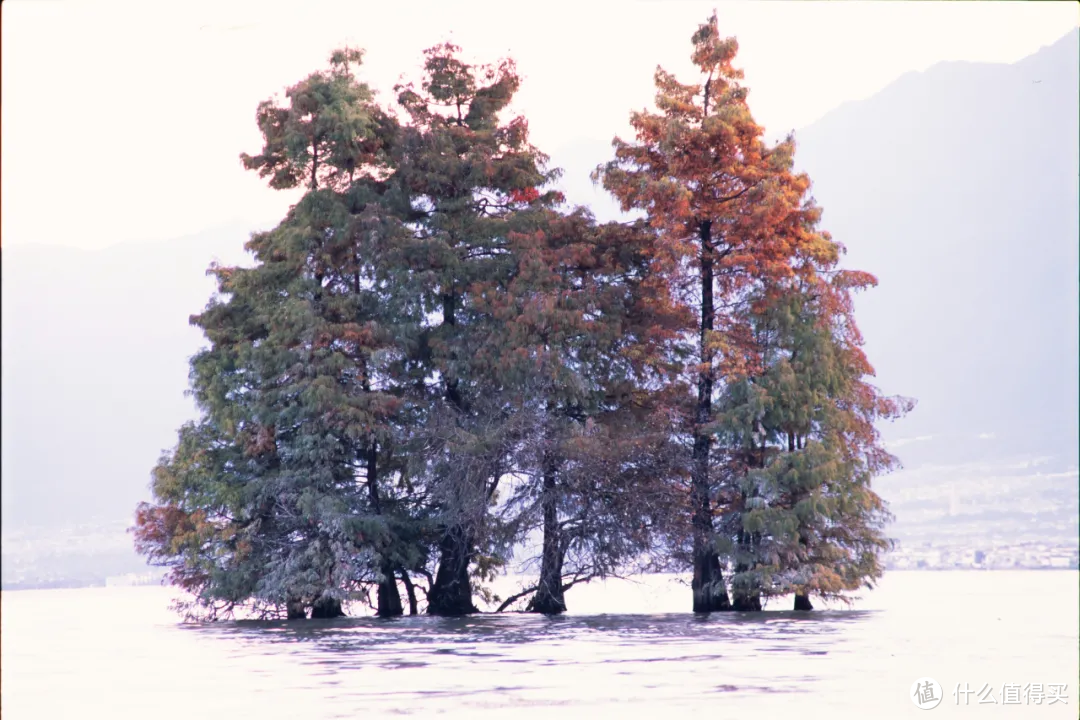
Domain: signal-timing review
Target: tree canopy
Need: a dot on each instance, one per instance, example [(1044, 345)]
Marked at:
[(435, 366)]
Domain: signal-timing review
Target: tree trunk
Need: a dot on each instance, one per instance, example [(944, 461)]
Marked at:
[(707, 585), (389, 600), (710, 594), (326, 608), (802, 602), (452, 395), (409, 590), (451, 593), (295, 610), (745, 596), (708, 582), (746, 602), (549, 593)]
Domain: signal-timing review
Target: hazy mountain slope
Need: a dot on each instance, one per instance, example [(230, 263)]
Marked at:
[(95, 350), (958, 188)]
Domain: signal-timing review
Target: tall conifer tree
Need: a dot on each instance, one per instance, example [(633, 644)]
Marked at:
[(798, 434), (469, 177), (729, 211), (580, 333), (293, 400)]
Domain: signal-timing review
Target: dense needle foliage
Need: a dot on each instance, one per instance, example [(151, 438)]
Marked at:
[(434, 367)]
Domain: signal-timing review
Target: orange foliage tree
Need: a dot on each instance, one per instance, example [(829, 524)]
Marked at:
[(732, 219)]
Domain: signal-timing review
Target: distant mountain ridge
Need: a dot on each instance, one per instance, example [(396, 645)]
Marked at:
[(958, 188)]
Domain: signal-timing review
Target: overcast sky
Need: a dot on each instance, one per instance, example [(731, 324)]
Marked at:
[(123, 121)]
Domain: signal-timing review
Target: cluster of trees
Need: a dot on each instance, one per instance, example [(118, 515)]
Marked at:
[(434, 367)]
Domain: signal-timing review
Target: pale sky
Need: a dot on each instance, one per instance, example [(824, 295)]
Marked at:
[(123, 121)]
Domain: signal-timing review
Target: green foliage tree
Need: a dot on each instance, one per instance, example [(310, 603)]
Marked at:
[(296, 387), (579, 333), (799, 438), (470, 180)]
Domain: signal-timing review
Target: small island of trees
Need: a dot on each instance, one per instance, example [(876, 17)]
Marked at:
[(434, 366)]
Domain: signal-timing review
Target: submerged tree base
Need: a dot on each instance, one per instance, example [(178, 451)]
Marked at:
[(746, 603), (802, 602), (326, 609), (710, 595), (547, 603), (707, 600), (452, 607), (410, 591), (451, 593), (389, 601)]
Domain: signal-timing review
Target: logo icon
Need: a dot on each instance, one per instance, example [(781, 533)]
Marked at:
[(925, 693)]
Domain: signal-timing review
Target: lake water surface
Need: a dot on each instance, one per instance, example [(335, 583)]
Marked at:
[(627, 650)]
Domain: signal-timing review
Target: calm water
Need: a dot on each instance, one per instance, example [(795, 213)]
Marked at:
[(628, 650)]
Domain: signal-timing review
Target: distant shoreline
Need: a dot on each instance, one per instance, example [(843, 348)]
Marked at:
[(60, 585)]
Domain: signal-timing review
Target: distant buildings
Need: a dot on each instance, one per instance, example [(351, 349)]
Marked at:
[(151, 577), (1014, 556)]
